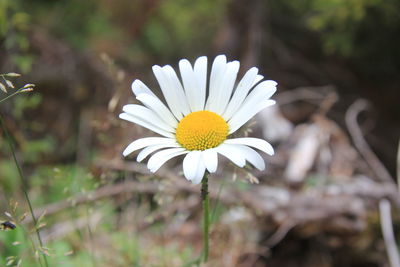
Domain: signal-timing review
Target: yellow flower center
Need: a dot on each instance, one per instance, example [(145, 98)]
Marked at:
[(201, 130)]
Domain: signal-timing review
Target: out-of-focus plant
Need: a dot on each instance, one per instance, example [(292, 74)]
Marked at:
[(70, 21), (352, 28), (166, 31), (132, 29), (26, 88), (6, 85), (344, 21), (14, 26), (32, 150)]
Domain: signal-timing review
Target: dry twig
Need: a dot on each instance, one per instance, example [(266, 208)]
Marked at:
[(388, 235), (365, 150)]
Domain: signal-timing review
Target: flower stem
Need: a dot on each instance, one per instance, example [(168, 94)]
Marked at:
[(206, 216), (11, 95)]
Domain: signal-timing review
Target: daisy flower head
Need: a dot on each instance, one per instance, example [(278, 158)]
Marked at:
[(199, 115)]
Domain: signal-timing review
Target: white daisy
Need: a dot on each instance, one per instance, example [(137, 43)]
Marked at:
[(197, 122)]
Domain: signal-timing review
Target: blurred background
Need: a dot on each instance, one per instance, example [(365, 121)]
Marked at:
[(336, 128)]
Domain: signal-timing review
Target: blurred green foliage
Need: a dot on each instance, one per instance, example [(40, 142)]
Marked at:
[(8, 247), (55, 183), (346, 24), (14, 27), (9, 174), (74, 21), (172, 28), (363, 33), (24, 103), (167, 31), (182, 27)]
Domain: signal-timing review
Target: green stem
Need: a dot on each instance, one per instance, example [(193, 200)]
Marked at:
[(206, 216), (11, 95), (24, 185)]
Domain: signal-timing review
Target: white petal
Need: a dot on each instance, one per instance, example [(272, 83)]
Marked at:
[(193, 166), (169, 92), (210, 158), (150, 149), (221, 99), (148, 115), (159, 158), (190, 163), (217, 70), (257, 79), (194, 81), (245, 113), (251, 156), (254, 103), (138, 87), (231, 153), (200, 71), (146, 124), (177, 86), (190, 83), (262, 91), (253, 142), (144, 142), (241, 92), (155, 104), (201, 168)]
